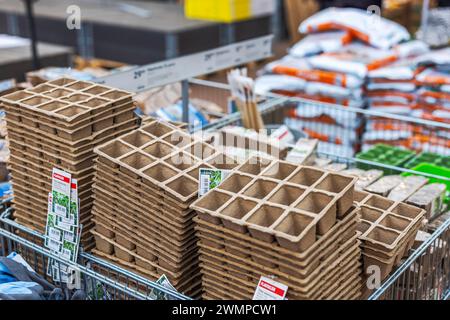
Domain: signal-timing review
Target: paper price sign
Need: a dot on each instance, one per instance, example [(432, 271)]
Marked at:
[(269, 289)]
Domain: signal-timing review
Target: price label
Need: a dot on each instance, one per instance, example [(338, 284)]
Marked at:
[(269, 289), (190, 66)]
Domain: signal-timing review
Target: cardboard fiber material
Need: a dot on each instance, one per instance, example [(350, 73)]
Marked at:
[(133, 219), (273, 218), (97, 127), (69, 141), (145, 182), (28, 117), (81, 165), (150, 151), (287, 266), (140, 186), (262, 207), (58, 124), (169, 267), (142, 195), (148, 217), (349, 289), (161, 234), (278, 251), (311, 279), (72, 133), (75, 150), (299, 283), (159, 246), (251, 269), (221, 274), (387, 230), (66, 102), (283, 261)]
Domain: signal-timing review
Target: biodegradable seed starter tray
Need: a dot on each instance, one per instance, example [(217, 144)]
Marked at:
[(387, 230), (275, 218), (144, 184), (292, 204), (57, 124)]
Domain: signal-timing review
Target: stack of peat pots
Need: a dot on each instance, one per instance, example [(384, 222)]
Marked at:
[(387, 230), (275, 219), (145, 182), (57, 125)]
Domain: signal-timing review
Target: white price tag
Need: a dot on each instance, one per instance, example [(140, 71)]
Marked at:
[(269, 289), (54, 234), (54, 245), (60, 210), (66, 254)]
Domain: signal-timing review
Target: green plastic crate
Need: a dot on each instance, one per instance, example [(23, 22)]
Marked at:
[(436, 171), (385, 154), (430, 158)]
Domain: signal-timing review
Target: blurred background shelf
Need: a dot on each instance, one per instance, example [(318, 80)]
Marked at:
[(152, 31)]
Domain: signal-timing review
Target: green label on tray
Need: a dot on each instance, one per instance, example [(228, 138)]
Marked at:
[(210, 179)]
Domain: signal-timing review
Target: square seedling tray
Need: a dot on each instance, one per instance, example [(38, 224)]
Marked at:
[(387, 226), (165, 157), (59, 124), (283, 193), (66, 100)]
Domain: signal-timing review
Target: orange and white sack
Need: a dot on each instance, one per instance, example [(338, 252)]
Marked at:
[(433, 97), (431, 77), (391, 108), (439, 58), (404, 98), (356, 59), (318, 88), (406, 86), (410, 49), (268, 83), (300, 68), (367, 27), (320, 42), (401, 70)]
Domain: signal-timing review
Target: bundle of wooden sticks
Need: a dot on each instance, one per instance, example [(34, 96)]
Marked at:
[(243, 93)]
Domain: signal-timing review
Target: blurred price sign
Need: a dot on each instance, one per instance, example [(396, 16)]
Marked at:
[(190, 66)]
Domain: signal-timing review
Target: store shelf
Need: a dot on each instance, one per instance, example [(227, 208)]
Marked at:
[(16, 62), (155, 32)]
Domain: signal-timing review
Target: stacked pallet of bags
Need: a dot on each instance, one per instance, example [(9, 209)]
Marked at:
[(337, 130), (331, 65), (417, 87)]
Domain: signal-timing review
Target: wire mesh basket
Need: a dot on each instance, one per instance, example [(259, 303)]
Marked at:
[(425, 275), (340, 130), (99, 279), (343, 131)]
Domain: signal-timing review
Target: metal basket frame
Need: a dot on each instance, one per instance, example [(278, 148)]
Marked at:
[(116, 282), (390, 288), (426, 272)]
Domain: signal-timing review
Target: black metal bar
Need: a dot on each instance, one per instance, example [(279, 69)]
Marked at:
[(33, 33)]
